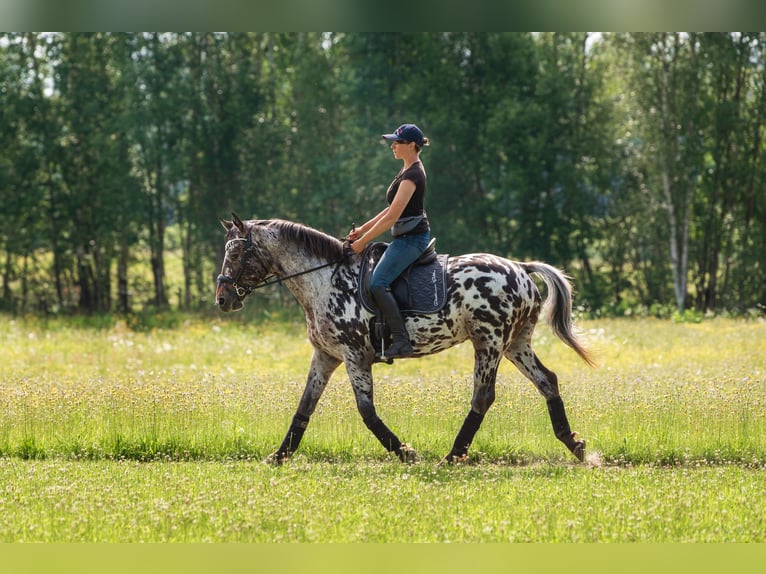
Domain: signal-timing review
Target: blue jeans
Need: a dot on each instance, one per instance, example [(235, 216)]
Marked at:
[(401, 253)]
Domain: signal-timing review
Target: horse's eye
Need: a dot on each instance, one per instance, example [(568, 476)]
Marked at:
[(234, 256)]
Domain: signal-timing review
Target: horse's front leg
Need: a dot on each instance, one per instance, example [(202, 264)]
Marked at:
[(361, 381), (321, 369)]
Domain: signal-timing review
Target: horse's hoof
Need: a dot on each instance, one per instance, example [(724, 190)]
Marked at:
[(275, 459), (454, 459), (407, 454), (578, 448)]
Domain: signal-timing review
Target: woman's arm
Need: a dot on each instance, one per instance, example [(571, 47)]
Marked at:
[(357, 232), (385, 219)]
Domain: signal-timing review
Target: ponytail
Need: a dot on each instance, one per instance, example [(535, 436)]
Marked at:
[(426, 143)]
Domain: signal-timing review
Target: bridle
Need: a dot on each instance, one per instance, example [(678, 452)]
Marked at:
[(234, 281), (273, 279)]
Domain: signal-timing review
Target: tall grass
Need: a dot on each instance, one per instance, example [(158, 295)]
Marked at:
[(664, 393), (676, 413)]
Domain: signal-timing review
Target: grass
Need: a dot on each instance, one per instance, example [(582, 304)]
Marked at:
[(112, 434), (371, 501)]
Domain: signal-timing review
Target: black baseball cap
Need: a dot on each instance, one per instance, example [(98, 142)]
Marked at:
[(408, 133)]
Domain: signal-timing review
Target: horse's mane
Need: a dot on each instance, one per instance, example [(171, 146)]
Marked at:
[(315, 242)]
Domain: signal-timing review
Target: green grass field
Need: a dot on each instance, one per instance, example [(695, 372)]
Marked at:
[(113, 435)]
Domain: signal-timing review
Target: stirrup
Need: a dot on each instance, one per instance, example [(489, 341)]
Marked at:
[(398, 350), (387, 356)]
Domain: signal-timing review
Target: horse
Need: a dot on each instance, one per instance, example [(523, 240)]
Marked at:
[(491, 301)]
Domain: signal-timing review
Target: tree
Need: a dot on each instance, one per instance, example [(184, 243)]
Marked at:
[(635, 161), (734, 108), (156, 137), (96, 188), (666, 78)]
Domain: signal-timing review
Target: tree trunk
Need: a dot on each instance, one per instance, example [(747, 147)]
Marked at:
[(123, 298), (677, 245), (7, 269), (24, 283), (84, 282), (158, 267), (188, 267)]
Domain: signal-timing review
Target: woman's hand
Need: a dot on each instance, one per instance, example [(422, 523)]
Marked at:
[(354, 234)]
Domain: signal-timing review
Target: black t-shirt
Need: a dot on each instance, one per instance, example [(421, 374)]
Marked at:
[(416, 173)]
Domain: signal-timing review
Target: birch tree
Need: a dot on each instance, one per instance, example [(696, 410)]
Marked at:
[(665, 77)]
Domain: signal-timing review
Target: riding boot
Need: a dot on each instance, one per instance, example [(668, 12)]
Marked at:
[(400, 346)]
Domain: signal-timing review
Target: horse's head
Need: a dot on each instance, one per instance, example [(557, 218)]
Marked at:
[(243, 265)]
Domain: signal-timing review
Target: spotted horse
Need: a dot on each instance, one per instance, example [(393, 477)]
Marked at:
[(491, 301)]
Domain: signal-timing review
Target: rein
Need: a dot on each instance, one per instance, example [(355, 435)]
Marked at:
[(271, 279)]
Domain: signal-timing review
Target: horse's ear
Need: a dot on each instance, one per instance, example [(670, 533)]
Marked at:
[(227, 225), (238, 222)]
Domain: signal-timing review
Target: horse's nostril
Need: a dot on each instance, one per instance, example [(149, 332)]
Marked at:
[(221, 301)]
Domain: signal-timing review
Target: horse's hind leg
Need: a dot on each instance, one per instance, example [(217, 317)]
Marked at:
[(486, 363), (547, 384)]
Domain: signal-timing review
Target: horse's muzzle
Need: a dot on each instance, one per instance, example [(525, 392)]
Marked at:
[(227, 299)]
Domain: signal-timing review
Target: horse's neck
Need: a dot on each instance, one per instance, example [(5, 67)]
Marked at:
[(290, 259), (311, 274)]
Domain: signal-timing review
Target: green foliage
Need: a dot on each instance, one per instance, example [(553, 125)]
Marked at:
[(633, 160), (150, 319), (688, 316)]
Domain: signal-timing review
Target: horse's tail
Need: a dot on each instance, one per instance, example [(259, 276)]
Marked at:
[(558, 306)]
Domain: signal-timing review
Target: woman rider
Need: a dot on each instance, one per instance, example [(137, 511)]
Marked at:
[(406, 217)]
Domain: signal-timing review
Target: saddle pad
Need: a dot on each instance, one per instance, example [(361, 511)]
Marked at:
[(421, 288)]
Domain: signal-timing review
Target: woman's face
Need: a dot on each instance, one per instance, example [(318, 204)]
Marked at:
[(400, 148)]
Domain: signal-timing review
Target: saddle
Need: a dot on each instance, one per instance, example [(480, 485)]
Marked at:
[(421, 288)]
